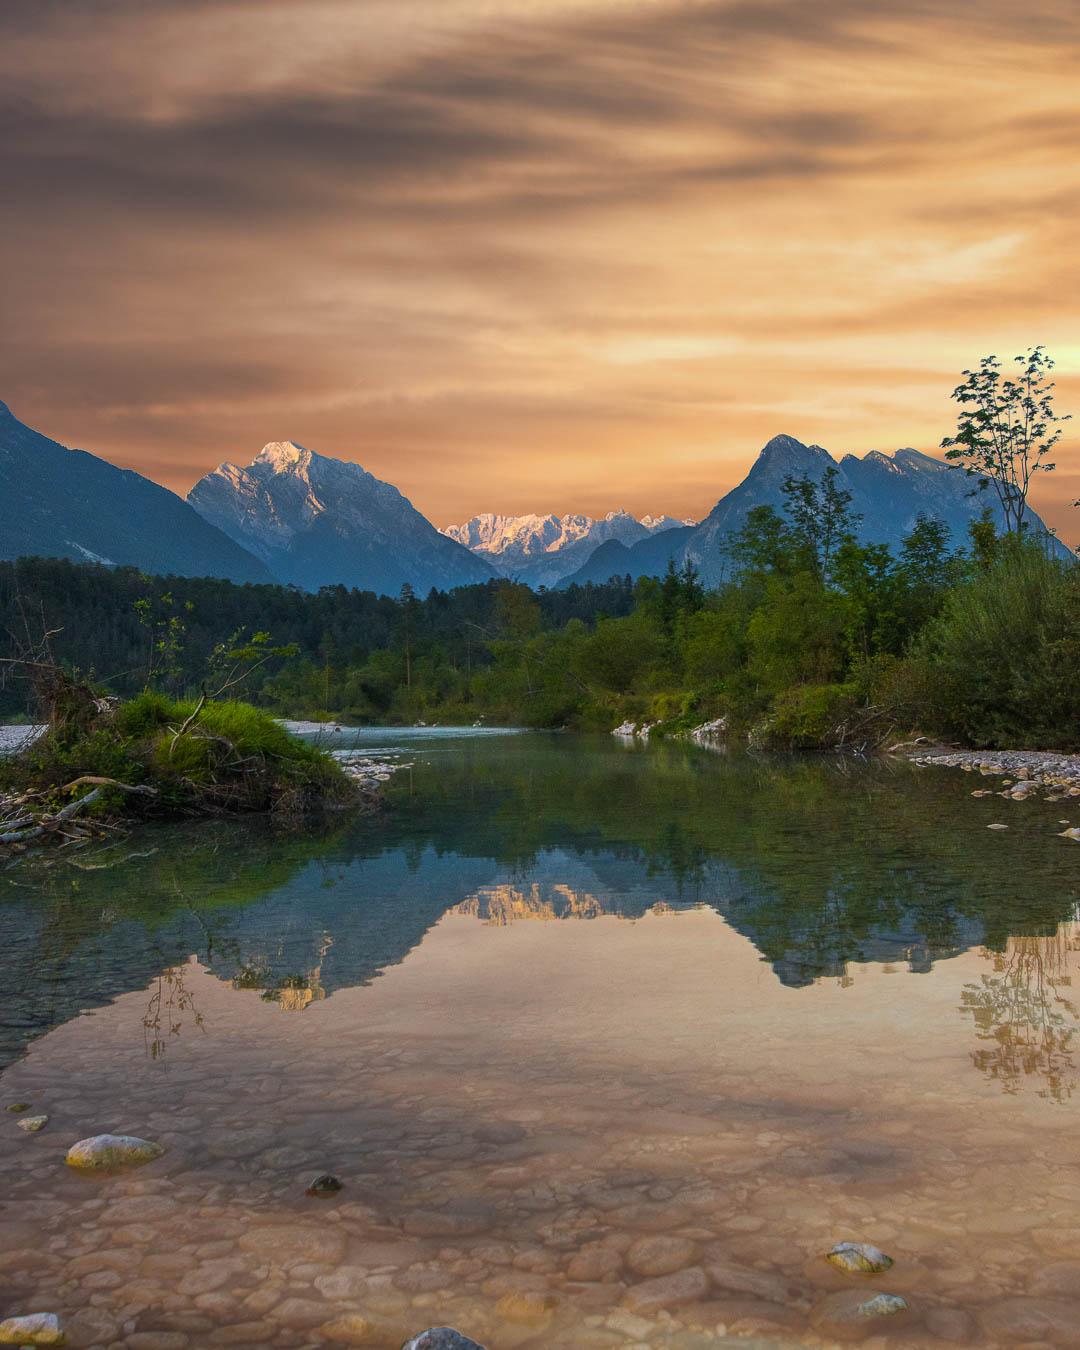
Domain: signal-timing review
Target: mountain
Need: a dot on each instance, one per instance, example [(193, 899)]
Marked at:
[(61, 503), (542, 550), (647, 558), (316, 521), (889, 492)]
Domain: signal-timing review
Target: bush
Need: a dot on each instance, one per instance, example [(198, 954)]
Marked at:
[(1005, 651), (811, 716)]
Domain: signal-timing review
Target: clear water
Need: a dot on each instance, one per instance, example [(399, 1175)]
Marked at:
[(565, 996)]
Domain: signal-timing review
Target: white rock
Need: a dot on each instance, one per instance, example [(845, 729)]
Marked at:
[(33, 1329), (112, 1150)]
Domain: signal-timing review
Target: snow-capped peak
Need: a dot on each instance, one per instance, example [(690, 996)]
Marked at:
[(283, 456)]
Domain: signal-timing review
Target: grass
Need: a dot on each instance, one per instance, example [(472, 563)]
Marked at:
[(218, 758)]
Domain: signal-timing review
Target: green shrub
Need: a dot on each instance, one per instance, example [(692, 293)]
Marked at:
[(1006, 650), (811, 716)]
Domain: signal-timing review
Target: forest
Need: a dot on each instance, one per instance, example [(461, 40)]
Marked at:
[(816, 640)]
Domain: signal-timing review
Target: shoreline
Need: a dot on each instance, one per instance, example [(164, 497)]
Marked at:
[(1023, 772)]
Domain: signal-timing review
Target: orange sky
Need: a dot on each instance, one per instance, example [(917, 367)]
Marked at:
[(522, 255)]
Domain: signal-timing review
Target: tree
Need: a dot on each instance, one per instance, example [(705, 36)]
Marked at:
[(1005, 429), (821, 517)]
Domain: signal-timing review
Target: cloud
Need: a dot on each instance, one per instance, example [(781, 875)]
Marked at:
[(497, 250)]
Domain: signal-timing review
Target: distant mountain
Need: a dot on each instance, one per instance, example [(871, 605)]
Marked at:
[(61, 503), (647, 558), (316, 521), (888, 491), (542, 550)]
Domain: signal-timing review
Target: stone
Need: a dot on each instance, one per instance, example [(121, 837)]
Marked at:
[(732, 1278), (283, 1243), (441, 1338), (349, 1329), (157, 1340), (527, 1307), (858, 1258), (659, 1254), (854, 1313), (595, 1261), (31, 1124), (103, 1152), (32, 1329), (16, 1108), (997, 827), (324, 1184), (301, 1313), (1032, 1319), (669, 1291)]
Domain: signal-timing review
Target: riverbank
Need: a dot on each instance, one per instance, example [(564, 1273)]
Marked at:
[(1022, 770)]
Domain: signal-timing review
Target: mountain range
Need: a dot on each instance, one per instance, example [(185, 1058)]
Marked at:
[(542, 550), (297, 517)]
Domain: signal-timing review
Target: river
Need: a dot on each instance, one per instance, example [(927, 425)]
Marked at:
[(608, 1044)]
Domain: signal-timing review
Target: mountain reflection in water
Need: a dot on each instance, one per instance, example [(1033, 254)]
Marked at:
[(822, 866)]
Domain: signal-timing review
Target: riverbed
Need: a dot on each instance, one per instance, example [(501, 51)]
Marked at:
[(608, 1044)]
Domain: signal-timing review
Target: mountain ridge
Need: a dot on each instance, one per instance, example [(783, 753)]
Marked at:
[(60, 502)]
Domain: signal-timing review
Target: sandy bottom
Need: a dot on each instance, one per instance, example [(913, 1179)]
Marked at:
[(564, 1134)]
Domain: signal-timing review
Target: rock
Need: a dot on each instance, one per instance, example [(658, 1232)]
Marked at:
[(659, 1254), (105, 1151), (32, 1329), (349, 1329), (16, 1108), (324, 1184), (732, 1278), (669, 1291), (858, 1258), (527, 1308), (853, 1313), (31, 1124), (1074, 833), (441, 1338), (300, 1313), (283, 1243), (595, 1261), (997, 827), (1032, 1319)]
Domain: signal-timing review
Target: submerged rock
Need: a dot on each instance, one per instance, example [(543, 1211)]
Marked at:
[(33, 1329), (17, 1107), (852, 1313), (348, 1329), (858, 1258), (325, 1184), (441, 1338), (31, 1124), (105, 1151)]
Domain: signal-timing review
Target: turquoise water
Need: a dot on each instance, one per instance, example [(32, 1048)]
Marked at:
[(563, 993)]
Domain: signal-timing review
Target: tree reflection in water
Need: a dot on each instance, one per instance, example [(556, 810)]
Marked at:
[(167, 1011), (1027, 1024)]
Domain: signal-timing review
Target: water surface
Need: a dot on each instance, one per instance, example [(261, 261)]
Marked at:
[(565, 996)]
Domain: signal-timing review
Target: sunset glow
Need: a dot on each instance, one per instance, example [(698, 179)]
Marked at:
[(562, 255)]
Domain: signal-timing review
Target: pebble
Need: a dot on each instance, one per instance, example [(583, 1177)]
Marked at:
[(858, 1258), (669, 1291), (349, 1329), (324, 1184), (441, 1338), (107, 1151), (661, 1255), (32, 1329), (851, 1313), (31, 1124)]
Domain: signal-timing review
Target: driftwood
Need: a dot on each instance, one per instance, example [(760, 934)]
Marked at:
[(24, 828)]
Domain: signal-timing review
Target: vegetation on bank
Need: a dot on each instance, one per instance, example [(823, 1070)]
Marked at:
[(99, 761)]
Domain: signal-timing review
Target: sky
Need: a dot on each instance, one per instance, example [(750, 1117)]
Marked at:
[(532, 255)]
